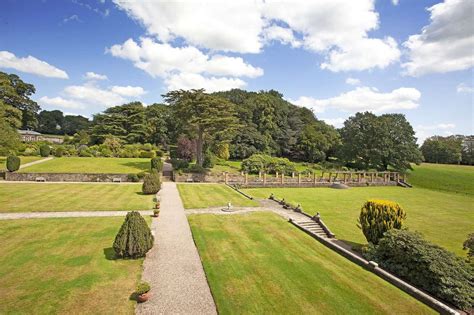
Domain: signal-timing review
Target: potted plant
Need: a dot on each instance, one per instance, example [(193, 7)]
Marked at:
[(143, 292), (156, 213)]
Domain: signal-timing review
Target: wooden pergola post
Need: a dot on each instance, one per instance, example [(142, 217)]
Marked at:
[(226, 177), (264, 178), (299, 179), (282, 179), (246, 178)]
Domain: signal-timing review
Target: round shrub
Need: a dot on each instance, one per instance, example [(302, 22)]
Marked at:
[(143, 288), (159, 153), (13, 163), (378, 216), (151, 183), (425, 265), (157, 164), (147, 154), (59, 152), (45, 150), (133, 178), (134, 238)]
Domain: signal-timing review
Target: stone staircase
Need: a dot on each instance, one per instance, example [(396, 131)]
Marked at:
[(313, 227)]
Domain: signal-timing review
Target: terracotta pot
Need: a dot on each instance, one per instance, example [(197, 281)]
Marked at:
[(143, 297)]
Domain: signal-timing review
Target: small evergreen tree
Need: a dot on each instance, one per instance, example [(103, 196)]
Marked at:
[(45, 150), (134, 238), (13, 163), (151, 183), (378, 216), (157, 164)]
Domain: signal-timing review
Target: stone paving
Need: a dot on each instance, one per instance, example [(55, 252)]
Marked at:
[(173, 266), (36, 162)]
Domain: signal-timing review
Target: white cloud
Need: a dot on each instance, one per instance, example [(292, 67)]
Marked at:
[(188, 81), (61, 102), (338, 29), (464, 88), (73, 17), (365, 99), (336, 122), (130, 91), (94, 95), (177, 65), (446, 44), (95, 76), (30, 65), (395, 2), (425, 131), (352, 81)]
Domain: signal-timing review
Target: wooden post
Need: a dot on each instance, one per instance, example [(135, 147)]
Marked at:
[(292, 174), (359, 177), (299, 179), (282, 179), (315, 177), (246, 178), (371, 177), (259, 175), (226, 179), (330, 177), (264, 178)]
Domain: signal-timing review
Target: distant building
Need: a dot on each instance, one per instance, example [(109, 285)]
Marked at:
[(30, 136)]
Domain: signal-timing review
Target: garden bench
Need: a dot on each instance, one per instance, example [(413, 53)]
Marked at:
[(40, 179), (116, 180)]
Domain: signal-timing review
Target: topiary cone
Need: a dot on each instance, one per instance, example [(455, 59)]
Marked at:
[(134, 238)]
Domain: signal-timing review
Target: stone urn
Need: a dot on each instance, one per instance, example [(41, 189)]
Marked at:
[(143, 297)]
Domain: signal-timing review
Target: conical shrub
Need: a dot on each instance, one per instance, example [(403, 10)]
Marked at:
[(134, 238), (378, 216), (151, 183)]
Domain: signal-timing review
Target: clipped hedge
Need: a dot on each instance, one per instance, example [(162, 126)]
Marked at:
[(13, 163), (134, 238), (268, 164), (147, 154), (157, 164), (45, 150), (378, 216), (425, 265), (151, 183), (133, 178)]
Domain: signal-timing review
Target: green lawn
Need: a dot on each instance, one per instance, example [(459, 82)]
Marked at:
[(211, 195), (444, 218), (72, 197), (451, 178), (23, 159), (90, 165), (64, 266), (260, 264)]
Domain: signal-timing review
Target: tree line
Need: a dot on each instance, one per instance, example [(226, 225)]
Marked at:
[(234, 124)]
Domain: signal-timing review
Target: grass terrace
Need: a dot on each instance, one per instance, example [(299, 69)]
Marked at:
[(23, 159), (28, 197), (258, 263), (211, 195), (444, 218), (64, 266), (90, 165)]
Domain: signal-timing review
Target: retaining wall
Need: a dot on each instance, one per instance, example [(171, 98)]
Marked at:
[(65, 177)]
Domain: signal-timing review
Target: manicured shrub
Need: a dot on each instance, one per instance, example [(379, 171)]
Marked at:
[(13, 163), (143, 288), (59, 152), (133, 178), (378, 216), (179, 164), (151, 183), (157, 164), (425, 265), (147, 154), (134, 238), (45, 150)]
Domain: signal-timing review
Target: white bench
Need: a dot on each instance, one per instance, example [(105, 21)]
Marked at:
[(40, 179), (116, 180)]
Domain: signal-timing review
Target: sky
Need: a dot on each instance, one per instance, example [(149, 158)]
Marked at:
[(336, 57)]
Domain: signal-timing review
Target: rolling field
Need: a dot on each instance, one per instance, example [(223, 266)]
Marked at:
[(64, 266), (30, 197), (211, 195), (260, 264), (443, 218), (90, 165), (450, 178)]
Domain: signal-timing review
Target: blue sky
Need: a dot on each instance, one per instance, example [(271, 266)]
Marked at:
[(333, 56)]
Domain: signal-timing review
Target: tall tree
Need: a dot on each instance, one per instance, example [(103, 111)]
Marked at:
[(379, 142), (75, 123), (206, 116), (15, 94), (51, 122), (445, 150)]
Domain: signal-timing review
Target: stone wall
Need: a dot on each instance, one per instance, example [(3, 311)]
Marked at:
[(65, 177)]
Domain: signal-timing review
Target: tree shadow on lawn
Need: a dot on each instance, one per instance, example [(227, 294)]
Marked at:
[(109, 254), (144, 166), (356, 247)]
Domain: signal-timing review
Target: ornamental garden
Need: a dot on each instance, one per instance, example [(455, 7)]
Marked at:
[(83, 220)]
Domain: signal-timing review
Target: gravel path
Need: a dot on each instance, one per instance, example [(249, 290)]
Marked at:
[(36, 162), (173, 266), (67, 214)]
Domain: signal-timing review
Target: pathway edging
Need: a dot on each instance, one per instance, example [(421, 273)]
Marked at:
[(36, 162)]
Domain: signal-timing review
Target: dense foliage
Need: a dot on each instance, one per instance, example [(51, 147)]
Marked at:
[(134, 238), (469, 246), (13, 163), (157, 164), (151, 183), (45, 150), (379, 142), (378, 216), (449, 150), (267, 164), (427, 266)]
